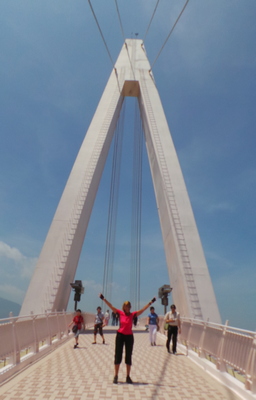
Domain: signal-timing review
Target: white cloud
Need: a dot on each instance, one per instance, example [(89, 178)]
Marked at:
[(12, 293), (10, 252), (97, 287), (16, 271), (16, 262), (222, 206), (92, 285)]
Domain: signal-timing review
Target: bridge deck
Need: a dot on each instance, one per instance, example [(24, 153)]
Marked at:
[(87, 373)]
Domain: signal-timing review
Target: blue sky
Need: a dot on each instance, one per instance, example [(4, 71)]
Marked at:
[(54, 67)]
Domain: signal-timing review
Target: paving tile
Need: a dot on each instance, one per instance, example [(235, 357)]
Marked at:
[(87, 373)]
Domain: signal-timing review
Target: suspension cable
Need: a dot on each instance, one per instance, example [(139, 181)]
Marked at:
[(113, 207), (151, 20), (102, 36), (121, 26), (136, 211), (130, 61), (183, 9), (120, 21)]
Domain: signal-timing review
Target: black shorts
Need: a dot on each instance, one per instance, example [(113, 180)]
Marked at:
[(98, 327), (122, 340)]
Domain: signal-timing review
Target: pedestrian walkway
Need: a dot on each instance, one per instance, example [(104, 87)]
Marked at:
[(87, 373)]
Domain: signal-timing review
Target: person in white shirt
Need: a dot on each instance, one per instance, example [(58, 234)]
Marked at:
[(98, 325), (173, 320), (107, 316)]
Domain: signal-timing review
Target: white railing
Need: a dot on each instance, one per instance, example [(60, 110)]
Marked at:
[(231, 349), (25, 339)]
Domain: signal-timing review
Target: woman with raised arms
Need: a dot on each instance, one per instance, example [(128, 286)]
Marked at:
[(124, 336)]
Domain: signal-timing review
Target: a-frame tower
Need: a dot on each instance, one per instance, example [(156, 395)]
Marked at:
[(193, 293)]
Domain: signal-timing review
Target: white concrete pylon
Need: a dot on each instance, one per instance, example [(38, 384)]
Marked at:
[(193, 293)]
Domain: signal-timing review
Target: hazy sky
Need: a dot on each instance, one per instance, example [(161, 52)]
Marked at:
[(54, 67)]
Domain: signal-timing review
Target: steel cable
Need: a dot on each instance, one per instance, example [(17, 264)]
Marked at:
[(177, 20), (150, 22), (120, 21), (136, 211), (113, 207)]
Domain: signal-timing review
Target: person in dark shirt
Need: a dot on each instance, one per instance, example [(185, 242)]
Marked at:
[(153, 322)]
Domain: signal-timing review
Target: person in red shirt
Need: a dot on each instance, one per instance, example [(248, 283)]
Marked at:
[(77, 321), (124, 335)]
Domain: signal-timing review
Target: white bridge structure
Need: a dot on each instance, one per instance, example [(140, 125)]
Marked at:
[(43, 322), (193, 293), (227, 353)]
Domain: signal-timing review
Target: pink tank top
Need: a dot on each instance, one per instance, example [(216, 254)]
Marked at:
[(125, 322)]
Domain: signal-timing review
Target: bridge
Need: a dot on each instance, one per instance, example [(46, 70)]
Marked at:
[(38, 361)]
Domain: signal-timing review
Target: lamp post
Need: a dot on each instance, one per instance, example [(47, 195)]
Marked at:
[(79, 289), (163, 293)]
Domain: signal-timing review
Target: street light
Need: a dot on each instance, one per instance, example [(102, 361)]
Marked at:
[(163, 293), (79, 289)]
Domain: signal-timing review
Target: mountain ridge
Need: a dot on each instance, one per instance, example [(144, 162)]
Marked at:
[(7, 306)]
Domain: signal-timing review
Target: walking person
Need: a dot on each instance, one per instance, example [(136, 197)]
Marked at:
[(107, 316), (98, 325), (173, 320), (113, 315), (117, 319), (153, 322), (78, 324), (124, 336)]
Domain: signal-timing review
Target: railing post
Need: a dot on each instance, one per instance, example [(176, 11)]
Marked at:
[(66, 323), (35, 344), (250, 382), (15, 358), (184, 339), (220, 364), (201, 342), (68, 319), (189, 335), (49, 338), (58, 324)]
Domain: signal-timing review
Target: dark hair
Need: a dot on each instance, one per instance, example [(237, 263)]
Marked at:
[(173, 306), (152, 308), (78, 310), (99, 308)]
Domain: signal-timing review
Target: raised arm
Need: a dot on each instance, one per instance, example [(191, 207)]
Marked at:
[(146, 306), (107, 302)]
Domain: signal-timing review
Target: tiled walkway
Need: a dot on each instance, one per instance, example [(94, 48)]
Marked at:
[(87, 373)]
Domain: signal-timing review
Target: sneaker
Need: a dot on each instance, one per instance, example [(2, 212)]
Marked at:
[(75, 346), (115, 380), (93, 342), (103, 342), (128, 380)]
